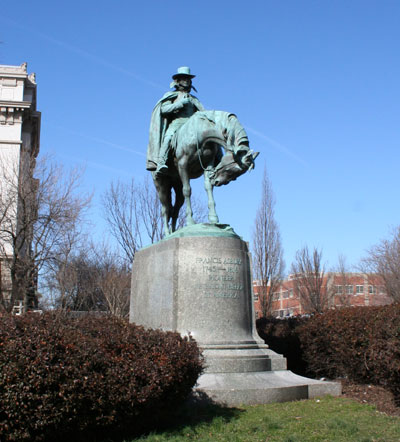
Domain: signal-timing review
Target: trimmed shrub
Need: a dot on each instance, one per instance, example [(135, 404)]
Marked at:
[(281, 336), (77, 378), (360, 343)]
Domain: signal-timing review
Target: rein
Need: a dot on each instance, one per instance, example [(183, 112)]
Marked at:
[(198, 153)]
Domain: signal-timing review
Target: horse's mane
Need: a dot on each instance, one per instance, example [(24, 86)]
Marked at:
[(236, 135), (226, 121), (220, 126)]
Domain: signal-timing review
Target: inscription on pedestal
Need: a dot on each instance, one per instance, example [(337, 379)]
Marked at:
[(222, 276)]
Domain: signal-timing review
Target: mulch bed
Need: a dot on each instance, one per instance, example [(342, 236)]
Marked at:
[(371, 394)]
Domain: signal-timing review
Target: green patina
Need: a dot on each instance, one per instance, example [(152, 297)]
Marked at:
[(187, 142), (201, 229), (204, 229)]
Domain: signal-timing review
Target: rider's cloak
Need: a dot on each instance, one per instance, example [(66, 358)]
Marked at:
[(158, 126)]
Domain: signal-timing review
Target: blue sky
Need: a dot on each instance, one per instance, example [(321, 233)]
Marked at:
[(315, 83)]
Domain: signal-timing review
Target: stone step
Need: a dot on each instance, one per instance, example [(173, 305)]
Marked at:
[(252, 388)]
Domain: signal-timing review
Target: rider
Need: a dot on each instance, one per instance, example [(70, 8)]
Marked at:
[(169, 114)]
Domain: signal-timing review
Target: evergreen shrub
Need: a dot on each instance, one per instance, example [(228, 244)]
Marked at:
[(64, 378)]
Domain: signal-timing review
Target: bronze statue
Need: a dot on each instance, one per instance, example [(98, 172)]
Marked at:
[(169, 114), (186, 142)]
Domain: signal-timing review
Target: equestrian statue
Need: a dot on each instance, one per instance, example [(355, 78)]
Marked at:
[(187, 141)]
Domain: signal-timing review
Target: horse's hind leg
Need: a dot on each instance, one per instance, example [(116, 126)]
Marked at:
[(212, 213), (179, 200)]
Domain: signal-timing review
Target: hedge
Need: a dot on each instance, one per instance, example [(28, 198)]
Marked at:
[(282, 337), (63, 378), (358, 343)]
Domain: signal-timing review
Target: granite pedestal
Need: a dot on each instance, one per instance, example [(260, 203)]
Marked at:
[(198, 281)]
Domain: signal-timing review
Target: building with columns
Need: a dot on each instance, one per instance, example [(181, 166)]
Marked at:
[(19, 147)]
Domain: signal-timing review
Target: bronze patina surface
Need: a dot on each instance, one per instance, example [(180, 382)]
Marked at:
[(186, 142)]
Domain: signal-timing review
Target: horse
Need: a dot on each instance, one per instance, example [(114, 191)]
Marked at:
[(209, 143)]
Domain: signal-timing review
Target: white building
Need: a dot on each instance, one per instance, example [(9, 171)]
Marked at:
[(19, 146)]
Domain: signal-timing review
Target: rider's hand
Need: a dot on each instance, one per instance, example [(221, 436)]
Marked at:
[(185, 101)]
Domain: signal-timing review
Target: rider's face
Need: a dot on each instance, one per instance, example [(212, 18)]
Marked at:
[(184, 83)]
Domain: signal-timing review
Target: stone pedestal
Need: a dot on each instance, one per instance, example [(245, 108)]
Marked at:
[(198, 281)]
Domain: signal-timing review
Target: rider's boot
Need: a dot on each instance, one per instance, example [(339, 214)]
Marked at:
[(162, 168)]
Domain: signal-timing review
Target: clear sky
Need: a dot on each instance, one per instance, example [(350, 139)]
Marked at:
[(315, 83)]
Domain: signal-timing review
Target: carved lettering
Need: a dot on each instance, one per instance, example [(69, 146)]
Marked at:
[(236, 261), (231, 295), (223, 276), (210, 260), (227, 286), (220, 277)]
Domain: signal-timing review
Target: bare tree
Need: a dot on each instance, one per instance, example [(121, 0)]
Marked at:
[(40, 213), (133, 213), (341, 284), (383, 259), (267, 247), (75, 285), (114, 281), (94, 279), (310, 281), (122, 204)]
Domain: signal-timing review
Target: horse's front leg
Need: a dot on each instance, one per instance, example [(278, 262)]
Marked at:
[(187, 193), (212, 214), (164, 195)]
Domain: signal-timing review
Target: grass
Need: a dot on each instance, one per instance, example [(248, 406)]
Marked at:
[(326, 419)]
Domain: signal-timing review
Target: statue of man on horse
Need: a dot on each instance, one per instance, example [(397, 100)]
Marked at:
[(186, 142), (169, 114)]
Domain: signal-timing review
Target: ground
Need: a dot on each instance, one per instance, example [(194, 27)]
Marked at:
[(371, 394)]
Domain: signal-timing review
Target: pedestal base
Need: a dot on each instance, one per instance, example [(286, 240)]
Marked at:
[(198, 281), (253, 388)]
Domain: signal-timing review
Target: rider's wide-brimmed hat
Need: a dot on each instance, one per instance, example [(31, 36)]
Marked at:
[(183, 71)]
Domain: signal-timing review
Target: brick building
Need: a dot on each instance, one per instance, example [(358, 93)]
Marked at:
[(349, 289)]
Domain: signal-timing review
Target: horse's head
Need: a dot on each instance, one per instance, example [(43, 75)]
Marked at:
[(233, 165)]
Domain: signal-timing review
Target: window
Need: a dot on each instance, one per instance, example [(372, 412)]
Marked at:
[(285, 294), (359, 289), (339, 289), (371, 289), (256, 297), (291, 293), (349, 289)]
